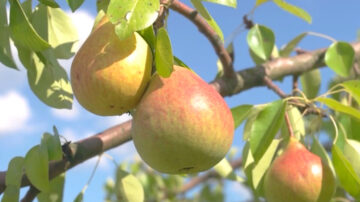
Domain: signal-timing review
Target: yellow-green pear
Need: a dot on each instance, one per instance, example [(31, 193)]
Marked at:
[(109, 75)]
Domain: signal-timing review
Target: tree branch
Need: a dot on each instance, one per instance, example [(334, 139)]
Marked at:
[(275, 70), (83, 150), (212, 36)]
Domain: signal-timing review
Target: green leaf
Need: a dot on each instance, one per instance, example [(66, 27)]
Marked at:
[(318, 149), (206, 15), (37, 168), (346, 173), (27, 8), (102, 5), (224, 169), (254, 112), (11, 194), (352, 154), (230, 3), (5, 52), (261, 41), (149, 36), (55, 26), (260, 167), (297, 122), (13, 180), (247, 157), (51, 3), (340, 57), (353, 88), (240, 113), (128, 187), (131, 16), (163, 55), (289, 47), (265, 127), (79, 197), (299, 12), (310, 82), (56, 190), (337, 106), (355, 127), (259, 2), (74, 4), (179, 62), (22, 32), (256, 59), (53, 146), (47, 79)]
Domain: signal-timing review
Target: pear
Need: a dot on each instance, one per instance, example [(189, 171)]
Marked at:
[(182, 125), (109, 75), (298, 175)]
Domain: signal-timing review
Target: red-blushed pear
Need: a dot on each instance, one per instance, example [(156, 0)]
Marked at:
[(298, 175), (182, 125), (109, 75)]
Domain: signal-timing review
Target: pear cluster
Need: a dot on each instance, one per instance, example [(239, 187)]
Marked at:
[(180, 124)]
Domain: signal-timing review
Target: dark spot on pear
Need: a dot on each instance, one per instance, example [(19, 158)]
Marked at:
[(111, 106), (186, 169)]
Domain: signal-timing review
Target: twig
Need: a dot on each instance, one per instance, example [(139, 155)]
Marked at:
[(274, 70), (30, 194), (212, 36), (289, 126), (295, 84), (83, 150), (271, 85)]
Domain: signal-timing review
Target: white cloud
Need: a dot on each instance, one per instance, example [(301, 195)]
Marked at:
[(67, 114), (115, 120), (241, 190), (69, 134), (83, 21), (14, 112)]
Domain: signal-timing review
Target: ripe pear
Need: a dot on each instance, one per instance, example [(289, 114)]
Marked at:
[(109, 75), (298, 175), (182, 125)]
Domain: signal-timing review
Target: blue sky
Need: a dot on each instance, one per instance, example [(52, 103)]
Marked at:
[(23, 118)]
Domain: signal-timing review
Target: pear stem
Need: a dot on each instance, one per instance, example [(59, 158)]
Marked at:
[(288, 123)]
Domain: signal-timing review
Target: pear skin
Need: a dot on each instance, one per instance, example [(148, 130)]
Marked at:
[(109, 75), (182, 125)]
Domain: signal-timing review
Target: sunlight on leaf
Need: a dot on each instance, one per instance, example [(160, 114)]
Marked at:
[(206, 15), (22, 32), (164, 59), (337, 106), (261, 41), (128, 187), (5, 52), (345, 173), (131, 16), (340, 57), (231, 3), (265, 127), (299, 12)]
